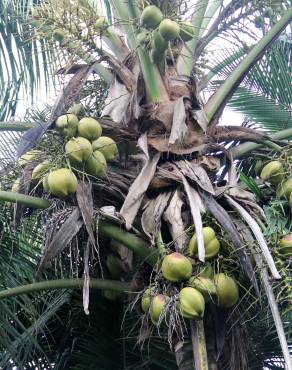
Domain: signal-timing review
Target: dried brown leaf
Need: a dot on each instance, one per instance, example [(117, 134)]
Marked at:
[(85, 204), (173, 216), (61, 239), (151, 217), (137, 190), (179, 128)]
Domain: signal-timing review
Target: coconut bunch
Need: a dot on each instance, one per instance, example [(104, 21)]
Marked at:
[(156, 32), (65, 21), (276, 173), (184, 286), (86, 153)]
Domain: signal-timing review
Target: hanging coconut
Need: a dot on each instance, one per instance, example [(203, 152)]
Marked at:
[(285, 246), (273, 172), (106, 146), (186, 31), (191, 303), (285, 189), (176, 267), (151, 17), (211, 244), (169, 29), (226, 289), (62, 182), (89, 128), (77, 109), (147, 298), (28, 157), (39, 171), (96, 164), (159, 42), (78, 150), (67, 124), (204, 285), (157, 307)]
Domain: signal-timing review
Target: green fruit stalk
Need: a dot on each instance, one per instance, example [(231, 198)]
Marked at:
[(62, 182), (186, 31), (191, 303), (176, 267), (227, 290), (211, 244)]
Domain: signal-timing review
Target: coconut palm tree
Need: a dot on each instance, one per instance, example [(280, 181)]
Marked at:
[(171, 203)]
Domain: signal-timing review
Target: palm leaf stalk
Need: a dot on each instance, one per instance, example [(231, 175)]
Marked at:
[(149, 102)]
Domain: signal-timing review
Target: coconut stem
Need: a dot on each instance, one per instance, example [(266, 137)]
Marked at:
[(199, 345), (133, 242), (26, 200), (117, 286)]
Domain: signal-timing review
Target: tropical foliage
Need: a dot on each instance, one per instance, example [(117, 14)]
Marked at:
[(180, 244)]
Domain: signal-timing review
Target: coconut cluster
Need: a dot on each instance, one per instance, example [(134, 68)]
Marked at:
[(86, 149), (193, 290), (157, 32), (274, 173)]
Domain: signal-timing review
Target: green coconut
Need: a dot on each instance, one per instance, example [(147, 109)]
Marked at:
[(226, 289), (285, 246), (67, 124), (169, 29), (62, 182), (186, 31), (78, 150), (211, 243), (176, 267), (96, 164), (191, 303), (89, 128), (204, 285), (151, 17), (106, 146), (273, 172), (157, 307), (77, 109), (206, 271), (147, 298), (284, 189), (159, 42), (29, 157), (39, 171)]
